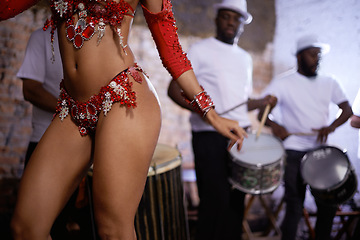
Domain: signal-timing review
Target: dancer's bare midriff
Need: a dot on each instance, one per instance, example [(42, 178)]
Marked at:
[(92, 66)]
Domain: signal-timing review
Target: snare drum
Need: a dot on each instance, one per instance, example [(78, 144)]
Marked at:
[(259, 166), (330, 175), (161, 212)]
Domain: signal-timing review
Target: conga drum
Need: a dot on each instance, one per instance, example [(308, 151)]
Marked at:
[(161, 213), (330, 175), (259, 166)]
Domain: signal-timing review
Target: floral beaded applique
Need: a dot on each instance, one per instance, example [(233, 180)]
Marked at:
[(85, 18)]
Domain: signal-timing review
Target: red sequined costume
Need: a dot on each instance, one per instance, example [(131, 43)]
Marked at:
[(92, 18), (94, 15), (86, 114)]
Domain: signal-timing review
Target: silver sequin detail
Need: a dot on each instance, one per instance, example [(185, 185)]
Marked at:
[(100, 30), (64, 110), (61, 7), (119, 90), (107, 103)]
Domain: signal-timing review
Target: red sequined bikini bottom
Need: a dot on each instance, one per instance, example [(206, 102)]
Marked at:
[(86, 114)]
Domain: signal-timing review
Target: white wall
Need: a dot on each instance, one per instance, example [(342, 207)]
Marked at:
[(338, 23)]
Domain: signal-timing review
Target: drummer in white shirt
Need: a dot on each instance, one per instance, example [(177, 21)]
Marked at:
[(355, 123), (304, 98), (225, 71)]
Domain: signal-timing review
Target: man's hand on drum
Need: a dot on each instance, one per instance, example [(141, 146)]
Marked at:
[(323, 133), (279, 131), (228, 128), (269, 100)]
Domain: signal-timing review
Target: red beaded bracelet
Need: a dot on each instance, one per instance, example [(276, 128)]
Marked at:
[(201, 103)]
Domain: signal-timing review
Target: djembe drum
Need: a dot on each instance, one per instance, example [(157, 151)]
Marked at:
[(161, 214)]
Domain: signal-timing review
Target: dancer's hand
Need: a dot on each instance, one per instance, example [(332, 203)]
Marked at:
[(269, 99), (228, 128), (323, 133), (279, 131)]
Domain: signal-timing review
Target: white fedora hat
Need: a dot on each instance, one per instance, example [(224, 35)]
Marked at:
[(239, 6), (309, 41)]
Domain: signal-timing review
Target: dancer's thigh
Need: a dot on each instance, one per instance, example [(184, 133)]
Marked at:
[(55, 168), (124, 145)]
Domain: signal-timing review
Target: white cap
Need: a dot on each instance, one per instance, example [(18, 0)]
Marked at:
[(309, 41), (239, 6)]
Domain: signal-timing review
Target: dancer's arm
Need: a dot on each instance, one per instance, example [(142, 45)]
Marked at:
[(228, 128), (11, 8), (161, 22)]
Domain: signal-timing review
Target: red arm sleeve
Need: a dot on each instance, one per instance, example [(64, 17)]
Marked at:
[(163, 29), (11, 8)]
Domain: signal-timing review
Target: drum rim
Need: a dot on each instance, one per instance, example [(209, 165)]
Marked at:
[(156, 169), (255, 192), (317, 191), (330, 189), (159, 167), (283, 157), (259, 165)]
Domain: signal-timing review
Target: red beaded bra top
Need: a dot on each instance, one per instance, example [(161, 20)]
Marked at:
[(93, 16)]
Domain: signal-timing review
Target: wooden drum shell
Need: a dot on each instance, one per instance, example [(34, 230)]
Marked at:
[(161, 213)]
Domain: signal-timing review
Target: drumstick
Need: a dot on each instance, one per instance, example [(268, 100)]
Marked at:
[(239, 105), (304, 134), (263, 119)]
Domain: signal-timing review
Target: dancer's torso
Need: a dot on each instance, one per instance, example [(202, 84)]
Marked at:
[(91, 61)]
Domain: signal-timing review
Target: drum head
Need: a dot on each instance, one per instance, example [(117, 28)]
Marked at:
[(264, 150), (164, 159), (324, 167)]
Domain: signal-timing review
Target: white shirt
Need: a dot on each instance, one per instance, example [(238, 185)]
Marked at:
[(38, 66), (225, 72), (356, 111), (303, 104)]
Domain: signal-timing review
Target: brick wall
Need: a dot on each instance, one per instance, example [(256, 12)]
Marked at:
[(15, 113)]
